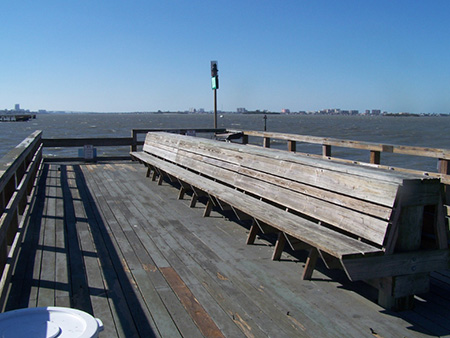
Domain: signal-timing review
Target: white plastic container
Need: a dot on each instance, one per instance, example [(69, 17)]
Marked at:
[(49, 322)]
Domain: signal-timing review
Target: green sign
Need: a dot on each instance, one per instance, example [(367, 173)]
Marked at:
[(215, 82)]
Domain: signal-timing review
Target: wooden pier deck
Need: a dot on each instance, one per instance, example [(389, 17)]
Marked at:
[(105, 239)]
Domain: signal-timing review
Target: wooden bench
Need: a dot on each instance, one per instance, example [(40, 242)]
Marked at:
[(369, 222)]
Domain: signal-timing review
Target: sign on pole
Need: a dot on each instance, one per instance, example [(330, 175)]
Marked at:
[(215, 86), (214, 75)]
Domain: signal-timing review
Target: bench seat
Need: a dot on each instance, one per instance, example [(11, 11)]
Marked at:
[(327, 240)]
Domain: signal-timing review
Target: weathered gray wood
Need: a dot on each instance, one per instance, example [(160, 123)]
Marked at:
[(303, 229), (313, 206), (355, 199), (396, 264), (408, 150), (243, 293), (310, 264)]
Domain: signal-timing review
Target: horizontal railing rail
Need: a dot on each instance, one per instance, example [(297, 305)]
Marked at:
[(443, 155), (375, 149), (18, 175), (139, 131)]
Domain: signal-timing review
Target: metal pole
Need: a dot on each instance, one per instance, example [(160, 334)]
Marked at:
[(215, 108)]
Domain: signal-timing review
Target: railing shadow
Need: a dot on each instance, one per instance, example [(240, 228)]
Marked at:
[(113, 270), (129, 314)]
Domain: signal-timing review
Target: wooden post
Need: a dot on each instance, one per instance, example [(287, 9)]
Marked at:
[(326, 150), (266, 142), (244, 139), (444, 167), (397, 292), (292, 146), (375, 157), (134, 141)]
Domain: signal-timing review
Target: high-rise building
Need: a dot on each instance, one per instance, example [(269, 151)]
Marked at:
[(17, 107)]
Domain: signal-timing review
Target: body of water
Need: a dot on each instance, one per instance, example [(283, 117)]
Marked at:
[(430, 132)]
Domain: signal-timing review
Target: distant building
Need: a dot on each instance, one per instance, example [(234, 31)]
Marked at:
[(17, 107), (376, 112), (241, 110), (285, 111)]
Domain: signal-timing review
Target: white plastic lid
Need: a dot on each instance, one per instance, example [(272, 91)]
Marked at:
[(49, 322)]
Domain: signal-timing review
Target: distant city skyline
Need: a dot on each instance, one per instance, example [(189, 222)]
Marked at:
[(299, 55)]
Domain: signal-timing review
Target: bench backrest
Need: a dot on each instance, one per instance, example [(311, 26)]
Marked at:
[(354, 199)]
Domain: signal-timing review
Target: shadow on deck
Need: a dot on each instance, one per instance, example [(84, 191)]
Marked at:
[(105, 239)]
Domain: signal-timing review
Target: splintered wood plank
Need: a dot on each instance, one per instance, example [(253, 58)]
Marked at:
[(195, 310)]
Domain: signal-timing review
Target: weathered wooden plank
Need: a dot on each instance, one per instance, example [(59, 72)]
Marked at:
[(396, 264), (118, 288), (407, 150), (364, 171), (46, 293), (150, 214), (368, 315), (180, 245), (62, 293), (344, 218), (141, 265), (196, 311), (308, 232)]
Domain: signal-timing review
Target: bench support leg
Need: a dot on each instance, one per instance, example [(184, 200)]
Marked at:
[(160, 179), (181, 193), (193, 200), (149, 170), (254, 230), (279, 246), (154, 175), (208, 208), (310, 264), (397, 293)]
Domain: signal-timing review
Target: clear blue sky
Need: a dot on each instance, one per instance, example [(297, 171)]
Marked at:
[(143, 55)]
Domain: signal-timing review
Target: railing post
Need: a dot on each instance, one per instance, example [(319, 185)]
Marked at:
[(292, 146), (266, 142), (326, 150), (444, 167), (375, 157), (134, 140), (244, 139)]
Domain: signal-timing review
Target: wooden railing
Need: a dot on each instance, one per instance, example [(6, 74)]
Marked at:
[(375, 149), (136, 132), (441, 155), (18, 176), (133, 142)]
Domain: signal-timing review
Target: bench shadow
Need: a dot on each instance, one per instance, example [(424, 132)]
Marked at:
[(424, 304)]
